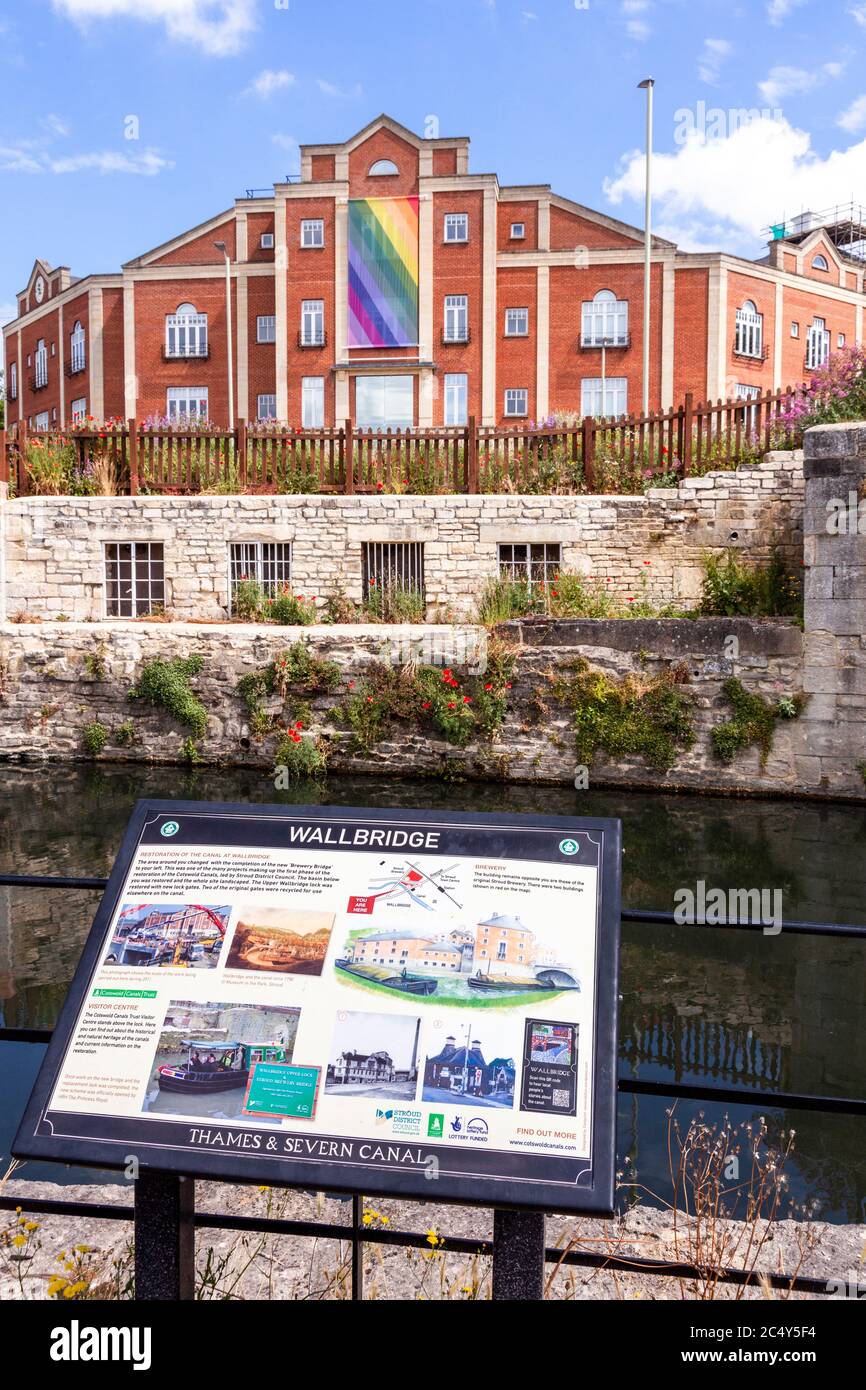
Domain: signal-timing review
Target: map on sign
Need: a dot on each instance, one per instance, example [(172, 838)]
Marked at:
[(409, 884)]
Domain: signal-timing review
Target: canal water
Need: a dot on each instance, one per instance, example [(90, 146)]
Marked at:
[(699, 1005)]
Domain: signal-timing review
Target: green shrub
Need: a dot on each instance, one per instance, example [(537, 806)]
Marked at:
[(753, 722), (395, 603), (299, 757), (735, 588), (288, 609), (124, 734), (166, 684), (94, 738), (247, 599), (649, 718)]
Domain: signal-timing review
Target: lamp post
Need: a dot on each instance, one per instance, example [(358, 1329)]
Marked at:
[(221, 246), (647, 86)]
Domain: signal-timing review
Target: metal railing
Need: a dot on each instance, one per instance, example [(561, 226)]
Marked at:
[(162, 1274)]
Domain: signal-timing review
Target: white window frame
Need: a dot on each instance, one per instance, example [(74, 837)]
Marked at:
[(534, 562), (795, 329), (43, 420), (840, 340), (313, 322), (513, 319), (79, 409), (269, 563), (312, 233), (13, 381), (313, 402), (41, 364), (455, 228), (456, 318), (382, 168), (817, 344), (185, 333), (266, 241), (615, 401), (604, 321), (176, 396), (516, 404), (266, 328), (456, 398), (269, 412), (749, 331), (145, 591), (518, 235), (78, 357), (820, 262)]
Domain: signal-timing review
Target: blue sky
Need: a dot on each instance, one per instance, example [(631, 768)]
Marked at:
[(222, 91)]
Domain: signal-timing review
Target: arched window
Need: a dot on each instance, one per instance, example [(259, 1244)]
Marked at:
[(77, 344), (383, 166), (186, 332), (820, 263), (604, 321), (749, 336)]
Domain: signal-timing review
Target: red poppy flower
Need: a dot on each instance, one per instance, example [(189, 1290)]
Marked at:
[(488, 686)]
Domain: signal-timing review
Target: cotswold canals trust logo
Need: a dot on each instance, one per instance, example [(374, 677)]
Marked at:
[(171, 827)]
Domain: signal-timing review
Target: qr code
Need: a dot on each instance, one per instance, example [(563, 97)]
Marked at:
[(562, 1098)]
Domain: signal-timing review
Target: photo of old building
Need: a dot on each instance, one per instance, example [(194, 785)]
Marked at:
[(374, 1055), (278, 939), (467, 1070)]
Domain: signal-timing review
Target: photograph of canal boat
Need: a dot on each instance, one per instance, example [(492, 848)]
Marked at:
[(292, 942), (163, 934), (374, 1056), (202, 1061), (473, 1066)]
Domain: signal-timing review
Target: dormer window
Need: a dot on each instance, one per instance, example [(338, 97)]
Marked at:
[(820, 263), (186, 333), (383, 167)]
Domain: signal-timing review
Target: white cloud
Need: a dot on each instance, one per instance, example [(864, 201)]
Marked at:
[(330, 89), (858, 12), (54, 125), (218, 27), (270, 80), (714, 54), (637, 28), (529, 15), (778, 10), (785, 81), (26, 158), (726, 191), (854, 118)]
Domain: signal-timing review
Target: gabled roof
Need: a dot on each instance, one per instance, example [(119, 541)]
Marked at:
[(383, 122), (192, 234), (611, 224)]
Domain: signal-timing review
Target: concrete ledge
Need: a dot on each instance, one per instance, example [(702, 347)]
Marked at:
[(663, 637)]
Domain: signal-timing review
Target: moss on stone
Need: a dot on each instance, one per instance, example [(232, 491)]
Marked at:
[(631, 717), (753, 723), (167, 684)]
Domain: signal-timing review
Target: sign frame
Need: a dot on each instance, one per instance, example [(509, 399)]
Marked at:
[(593, 1194)]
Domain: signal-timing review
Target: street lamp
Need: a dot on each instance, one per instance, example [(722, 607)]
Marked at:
[(647, 86), (221, 246)]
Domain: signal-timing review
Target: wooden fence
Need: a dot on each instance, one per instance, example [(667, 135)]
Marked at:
[(623, 454)]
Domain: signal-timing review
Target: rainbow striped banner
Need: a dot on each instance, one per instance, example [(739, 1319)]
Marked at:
[(383, 272)]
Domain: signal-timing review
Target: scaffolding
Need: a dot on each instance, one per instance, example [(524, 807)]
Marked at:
[(844, 224)]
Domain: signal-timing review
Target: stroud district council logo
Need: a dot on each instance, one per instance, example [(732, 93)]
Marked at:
[(171, 827), (565, 846)]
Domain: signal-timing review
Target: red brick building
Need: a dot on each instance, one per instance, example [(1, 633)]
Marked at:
[(514, 290)]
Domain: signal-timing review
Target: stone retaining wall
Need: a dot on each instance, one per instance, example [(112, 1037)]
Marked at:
[(60, 677), (52, 561)]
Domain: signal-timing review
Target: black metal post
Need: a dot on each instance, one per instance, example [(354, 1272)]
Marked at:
[(518, 1256), (357, 1248), (164, 1237)]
